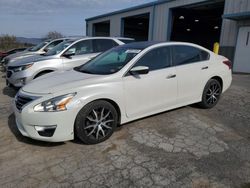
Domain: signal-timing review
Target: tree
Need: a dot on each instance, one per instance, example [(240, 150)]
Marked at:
[(8, 42), (53, 35)]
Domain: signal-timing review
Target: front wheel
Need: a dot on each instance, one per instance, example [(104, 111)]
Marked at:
[(211, 94), (96, 122)]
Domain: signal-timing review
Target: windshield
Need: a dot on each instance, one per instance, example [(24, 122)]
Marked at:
[(109, 62), (38, 47), (59, 48)]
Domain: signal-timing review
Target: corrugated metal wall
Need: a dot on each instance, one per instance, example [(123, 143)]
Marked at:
[(115, 21), (230, 28), (161, 21)]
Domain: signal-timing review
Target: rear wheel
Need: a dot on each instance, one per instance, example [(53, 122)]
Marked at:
[(96, 122), (211, 94)]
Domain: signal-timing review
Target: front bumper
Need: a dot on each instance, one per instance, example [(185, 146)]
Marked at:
[(58, 126), (18, 79)]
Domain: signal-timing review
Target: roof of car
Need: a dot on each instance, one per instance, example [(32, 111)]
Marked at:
[(140, 45), (146, 44)]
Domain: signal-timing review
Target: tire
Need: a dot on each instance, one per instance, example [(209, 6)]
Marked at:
[(211, 94), (96, 122)]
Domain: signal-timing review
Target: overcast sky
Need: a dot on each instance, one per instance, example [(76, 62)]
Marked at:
[(34, 18)]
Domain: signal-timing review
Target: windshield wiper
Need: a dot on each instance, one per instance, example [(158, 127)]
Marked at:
[(82, 71), (85, 71)]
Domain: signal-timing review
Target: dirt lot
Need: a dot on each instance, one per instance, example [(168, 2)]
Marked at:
[(187, 147)]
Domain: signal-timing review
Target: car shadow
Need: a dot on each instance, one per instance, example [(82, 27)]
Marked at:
[(10, 91), (197, 106), (13, 128)]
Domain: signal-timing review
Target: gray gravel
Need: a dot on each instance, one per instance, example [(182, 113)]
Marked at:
[(187, 147)]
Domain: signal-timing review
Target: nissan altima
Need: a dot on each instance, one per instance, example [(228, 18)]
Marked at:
[(121, 85)]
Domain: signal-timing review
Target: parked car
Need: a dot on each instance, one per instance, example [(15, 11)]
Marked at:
[(121, 85), (4, 54), (41, 48), (65, 56)]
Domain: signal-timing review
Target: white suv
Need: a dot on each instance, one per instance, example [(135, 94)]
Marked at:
[(40, 48), (65, 56)]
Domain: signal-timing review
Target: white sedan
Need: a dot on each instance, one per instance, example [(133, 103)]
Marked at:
[(121, 85)]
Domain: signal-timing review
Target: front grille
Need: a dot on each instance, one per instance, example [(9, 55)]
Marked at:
[(21, 101), (11, 68), (8, 74)]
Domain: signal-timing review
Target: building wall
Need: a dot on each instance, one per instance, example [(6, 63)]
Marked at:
[(162, 25), (115, 21), (160, 22), (159, 26), (230, 28)]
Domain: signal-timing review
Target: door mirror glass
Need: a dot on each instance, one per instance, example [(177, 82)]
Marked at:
[(70, 52), (139, 70)]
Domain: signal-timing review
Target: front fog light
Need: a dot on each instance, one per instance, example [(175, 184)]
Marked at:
[(22, 81), (46, 131)]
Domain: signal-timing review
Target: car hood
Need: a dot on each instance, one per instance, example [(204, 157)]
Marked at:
[(28, 59), (15, 55), (61, 81), (22, 56)]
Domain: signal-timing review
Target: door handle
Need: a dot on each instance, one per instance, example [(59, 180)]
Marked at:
[(204, 68), (171, 76)]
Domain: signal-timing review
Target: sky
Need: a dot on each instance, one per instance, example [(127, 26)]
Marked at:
[(35, 18)]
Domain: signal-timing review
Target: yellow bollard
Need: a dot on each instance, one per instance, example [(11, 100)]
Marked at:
[(216, 48)]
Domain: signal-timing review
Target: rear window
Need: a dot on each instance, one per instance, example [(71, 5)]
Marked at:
[(183, 55)]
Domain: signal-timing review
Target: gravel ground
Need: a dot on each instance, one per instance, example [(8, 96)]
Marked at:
[(187, 147)]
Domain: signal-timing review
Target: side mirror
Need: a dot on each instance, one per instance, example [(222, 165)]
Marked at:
[(139, 70), (68, 54)]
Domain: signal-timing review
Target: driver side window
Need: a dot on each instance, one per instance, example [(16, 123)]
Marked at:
[(80, 48), (156, 59), (52, 45)]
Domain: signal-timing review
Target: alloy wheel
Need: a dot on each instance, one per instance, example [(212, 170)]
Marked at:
[(213, 94), (98, 123)]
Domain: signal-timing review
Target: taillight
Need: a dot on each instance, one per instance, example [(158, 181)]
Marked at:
[(228, 63)]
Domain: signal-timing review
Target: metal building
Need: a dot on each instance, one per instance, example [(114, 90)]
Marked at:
[(199, 21)]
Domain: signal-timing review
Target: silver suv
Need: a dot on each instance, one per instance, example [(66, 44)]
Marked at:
[(65, 56), (41, 48)]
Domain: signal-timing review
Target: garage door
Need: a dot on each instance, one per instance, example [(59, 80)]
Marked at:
[(242, 56)]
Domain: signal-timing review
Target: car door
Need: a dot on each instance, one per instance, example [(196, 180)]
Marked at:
[(78, 54), (153, 92), (192, 66)]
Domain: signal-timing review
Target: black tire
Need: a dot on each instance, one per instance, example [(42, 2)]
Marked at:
[(211, 94), (92, 120)]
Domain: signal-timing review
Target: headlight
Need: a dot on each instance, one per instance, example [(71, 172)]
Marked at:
[(56, 104), (23, 67)]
